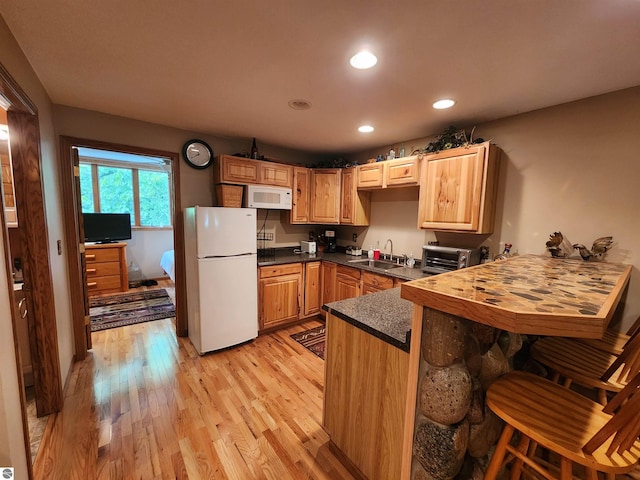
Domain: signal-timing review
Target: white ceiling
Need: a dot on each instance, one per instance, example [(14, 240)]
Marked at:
[(229, 68)]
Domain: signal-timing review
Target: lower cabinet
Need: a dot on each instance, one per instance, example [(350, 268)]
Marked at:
[(375, 283), (312, 289), (364, 399), (347, 282), (280, 293)]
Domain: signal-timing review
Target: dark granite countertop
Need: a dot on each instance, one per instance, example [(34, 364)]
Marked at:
[(382, 314), (286, 255)]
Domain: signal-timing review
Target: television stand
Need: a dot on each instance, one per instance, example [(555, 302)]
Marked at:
[(106, 268)]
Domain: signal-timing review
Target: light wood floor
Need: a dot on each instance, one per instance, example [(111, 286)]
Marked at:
[(145, 405)]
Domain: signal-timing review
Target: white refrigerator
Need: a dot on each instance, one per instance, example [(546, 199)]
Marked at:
[(222, 276)]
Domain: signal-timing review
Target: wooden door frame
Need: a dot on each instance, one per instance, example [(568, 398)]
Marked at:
[(24, 147), (70, 213)]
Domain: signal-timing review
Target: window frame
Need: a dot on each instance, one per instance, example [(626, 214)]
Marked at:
[(135, 167)]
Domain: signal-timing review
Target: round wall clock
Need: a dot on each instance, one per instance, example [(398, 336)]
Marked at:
[(197, 153)]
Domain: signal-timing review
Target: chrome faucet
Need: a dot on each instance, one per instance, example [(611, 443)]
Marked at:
[(385, 247)]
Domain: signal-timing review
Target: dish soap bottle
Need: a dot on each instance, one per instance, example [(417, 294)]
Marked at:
[(370, 252)]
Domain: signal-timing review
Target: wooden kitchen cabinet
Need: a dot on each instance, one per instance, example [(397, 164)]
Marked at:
[(366, 381), (458, 189), (347, 282), (370, 175), (372, 282), (246, 171), (299, 212), (355, 207), (230, 169), (280, 293), (329, 272), (276, 174), (10, 213), (312, 288), (402, 172), (106, 266), (325, 195)]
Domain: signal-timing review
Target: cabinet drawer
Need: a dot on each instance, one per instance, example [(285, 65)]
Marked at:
[(349, 272), (277, 270), (102, 255), (377, 281), (110, 282), (103, 269)]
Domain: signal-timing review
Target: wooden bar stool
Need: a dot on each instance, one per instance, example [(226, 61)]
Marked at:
[(612, 342), (587, 366), (575, 428)]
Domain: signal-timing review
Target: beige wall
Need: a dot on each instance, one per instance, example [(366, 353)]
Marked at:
[(11, 445), (574, 168)]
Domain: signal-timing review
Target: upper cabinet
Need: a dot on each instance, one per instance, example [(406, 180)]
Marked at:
[(355, 207), (10, 213), (458, 189), (301, 192), (243, 171), (325, 195), (400, 172)]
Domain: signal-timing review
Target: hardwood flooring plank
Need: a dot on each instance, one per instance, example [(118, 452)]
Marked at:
[(145, 405)]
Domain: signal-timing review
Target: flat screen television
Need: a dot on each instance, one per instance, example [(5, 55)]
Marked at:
[(106, 227)]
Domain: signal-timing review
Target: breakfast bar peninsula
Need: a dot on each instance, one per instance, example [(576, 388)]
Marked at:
[(467, 326)]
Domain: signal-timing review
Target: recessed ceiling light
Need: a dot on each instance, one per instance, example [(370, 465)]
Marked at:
[(444, 103), (299, 104), (363, 60), (365, 128)]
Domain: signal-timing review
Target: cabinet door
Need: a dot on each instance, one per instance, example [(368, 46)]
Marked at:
[(372, 282), (328, 282), (371, 175), (312, 289), (279, 299), (237, 170), (402, 172), (300, 205), (355, 206), (347, 282), (275, 174), (457, 190), (325, 195)]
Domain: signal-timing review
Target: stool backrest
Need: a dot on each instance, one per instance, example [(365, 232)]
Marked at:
[(624, 425)]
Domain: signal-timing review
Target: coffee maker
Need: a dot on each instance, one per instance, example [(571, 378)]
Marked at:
[(330, 239)]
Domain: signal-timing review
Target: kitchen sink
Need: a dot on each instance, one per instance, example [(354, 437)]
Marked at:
[(376, 264)]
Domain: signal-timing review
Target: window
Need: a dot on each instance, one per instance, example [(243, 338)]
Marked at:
[(113, 182)]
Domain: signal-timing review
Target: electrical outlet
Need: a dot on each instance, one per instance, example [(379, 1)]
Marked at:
[(355, 237)]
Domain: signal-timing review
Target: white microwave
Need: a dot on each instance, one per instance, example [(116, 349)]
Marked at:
[(263, 196)]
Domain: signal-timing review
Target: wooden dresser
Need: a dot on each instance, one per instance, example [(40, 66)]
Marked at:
[(106, 268)]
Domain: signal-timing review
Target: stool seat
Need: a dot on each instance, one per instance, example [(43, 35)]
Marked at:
[(563, 422)]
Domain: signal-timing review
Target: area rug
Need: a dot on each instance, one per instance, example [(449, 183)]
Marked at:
[(312, 339), (128, 308)]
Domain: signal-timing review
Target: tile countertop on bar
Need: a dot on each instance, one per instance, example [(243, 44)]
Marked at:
[(382, 314), (528, 294)]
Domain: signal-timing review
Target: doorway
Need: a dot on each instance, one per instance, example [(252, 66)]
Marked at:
[(30, 232), (75, 249)]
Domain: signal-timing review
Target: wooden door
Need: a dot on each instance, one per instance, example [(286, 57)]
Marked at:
[(325, 196), (236, 170), (83, 257), (402, 172), (347, 283), (300, 205), (347, 201), (312, 289)]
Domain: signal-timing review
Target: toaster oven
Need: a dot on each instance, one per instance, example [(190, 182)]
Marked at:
[(439, 259)]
